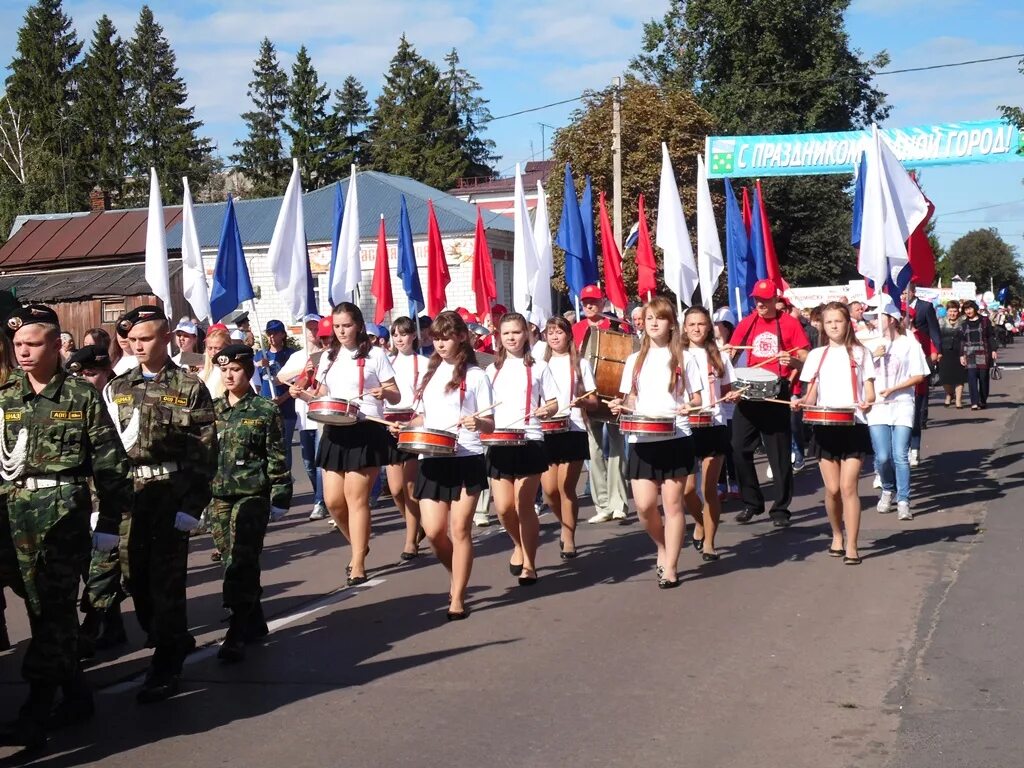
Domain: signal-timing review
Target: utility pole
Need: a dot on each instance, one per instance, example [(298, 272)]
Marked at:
[(617, 158)]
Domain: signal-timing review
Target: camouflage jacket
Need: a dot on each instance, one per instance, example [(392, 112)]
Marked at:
[(69, 433), (251, 451), (176, 424)]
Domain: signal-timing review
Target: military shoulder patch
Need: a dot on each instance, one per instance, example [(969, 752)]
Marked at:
[(12, 415), (66, 415), (124, 399)]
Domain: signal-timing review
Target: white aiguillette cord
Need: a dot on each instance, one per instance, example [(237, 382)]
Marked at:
[(12, 462), (130, 434)]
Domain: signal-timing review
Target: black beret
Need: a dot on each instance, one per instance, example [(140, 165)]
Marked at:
[(235, 353), (89, 356), (242, 318), (29, 314), (141, 314)]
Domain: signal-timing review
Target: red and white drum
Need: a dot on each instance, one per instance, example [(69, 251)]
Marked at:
[(555, 425), (647, 425), (336, 411), (504, 437), (830, 417), (431, 442), (701, 420), (399, 415)]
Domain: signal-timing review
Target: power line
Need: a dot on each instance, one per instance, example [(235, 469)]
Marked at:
[(983, 208)]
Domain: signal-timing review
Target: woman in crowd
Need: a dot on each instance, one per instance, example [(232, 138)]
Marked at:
[(453, 392), (661, 380), (217, 338), (728, 480), (572, 378), (840, 375), (977, 353), (952, 373)]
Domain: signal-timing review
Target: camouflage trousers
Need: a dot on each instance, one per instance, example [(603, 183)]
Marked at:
[(238, 525), (103, 582), (44, 545), (154, 561)]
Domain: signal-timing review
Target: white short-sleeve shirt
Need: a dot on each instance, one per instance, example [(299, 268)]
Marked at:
[(409, 373), (839, 386), (568, 386), (441, 409), (713, 384), (510, 388), (904, 358), (653, 397), (341, 377)]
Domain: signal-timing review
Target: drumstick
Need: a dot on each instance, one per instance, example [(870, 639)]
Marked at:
[(773, 400), (481, 412), (773, 358), (567, 408)]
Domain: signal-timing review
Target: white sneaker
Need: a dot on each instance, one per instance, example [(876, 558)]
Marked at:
[(877, 481), (331, 523), (481, 520), (903, 510), (792, 457), (620, 515), (915, 457), (769, 473), (541, 509), (319, 511), (884, 502), (799, 463), (600, 517)]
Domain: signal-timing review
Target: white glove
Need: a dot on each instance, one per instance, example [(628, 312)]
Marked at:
[(94, 520), (276, 513), (104, 542), (184, 522)]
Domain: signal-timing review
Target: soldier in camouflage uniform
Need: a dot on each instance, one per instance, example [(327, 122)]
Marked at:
[(165, 417), (253, 485), (102, 625), (56, 435)]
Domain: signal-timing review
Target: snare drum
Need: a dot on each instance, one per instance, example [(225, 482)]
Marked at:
[(830, 417), (701, 420), (756, 383), (336, 411), (399, 415), (504, 437), (647, 425), (554, 426), (430, 442)]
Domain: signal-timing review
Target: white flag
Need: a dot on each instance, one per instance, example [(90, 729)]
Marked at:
[(709, 248), (287, 256), (894, 207), (541, 289), (672, 236), (348, 269), (193, 273), (156, 247), (524, 252)]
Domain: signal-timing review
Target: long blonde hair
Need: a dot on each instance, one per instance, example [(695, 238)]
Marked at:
[(207, 373), (665, 310)]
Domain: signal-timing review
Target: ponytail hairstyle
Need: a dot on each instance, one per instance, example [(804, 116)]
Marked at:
[(406, 327), (663, 309), (514, 317), (448, 325), (708, 342), (362, 337), (563, 325), (850, 339)]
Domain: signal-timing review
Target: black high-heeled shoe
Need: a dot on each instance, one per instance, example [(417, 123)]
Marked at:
[(664, 583), (355, 581), (515, 569), (407, 556), (698, 544), (527, 581), (709, 557), (457, 615)]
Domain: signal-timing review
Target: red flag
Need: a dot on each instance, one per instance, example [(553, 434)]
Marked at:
[(747, 216), (771, 260), (919, 249), (614, 286), (437, 268), (484, 287), (646, 267), (381, 286)]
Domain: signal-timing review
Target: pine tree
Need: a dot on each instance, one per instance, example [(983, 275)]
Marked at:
[(101, 107), (164, 131), (307, 123), (261, 155), (347, 142), (472, 114)]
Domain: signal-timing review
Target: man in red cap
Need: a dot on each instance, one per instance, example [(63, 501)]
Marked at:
[(779, 342)]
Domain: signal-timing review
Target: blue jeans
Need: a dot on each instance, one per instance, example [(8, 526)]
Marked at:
[(977, 385), (309, 441), (288, 432), (892, 446)]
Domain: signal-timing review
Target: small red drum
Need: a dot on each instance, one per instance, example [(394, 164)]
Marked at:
[(432, 442), (701, 420), (336, 411), (504, 437), (830, 417), (555, 425), (399, 415), (647, 425)]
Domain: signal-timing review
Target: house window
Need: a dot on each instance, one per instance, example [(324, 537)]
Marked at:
[(111, 309)]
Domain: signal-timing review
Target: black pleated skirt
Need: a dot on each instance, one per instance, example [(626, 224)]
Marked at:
[(395, 456), (661, 459), (515, 461), (711, 441), (567, 447), (345, 449), (838, 443), (444, 478)]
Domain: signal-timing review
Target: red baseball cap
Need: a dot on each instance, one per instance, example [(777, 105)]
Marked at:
[(325, 328), (462, 312), (217, 327), (591, 292), (498, 310), (765, 290)]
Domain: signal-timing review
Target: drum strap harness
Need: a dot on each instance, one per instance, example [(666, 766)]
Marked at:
[(361, 365), (853, 371), (529, 388)]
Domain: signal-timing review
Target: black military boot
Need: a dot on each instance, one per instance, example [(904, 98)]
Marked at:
[(29, 729), (256, 626), (88, 632), (232, 650), (5, 639), (76, 704), (111, 632), (162, 678)]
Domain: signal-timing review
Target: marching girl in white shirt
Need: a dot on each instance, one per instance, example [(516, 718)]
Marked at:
[(402, 467), (900, 365), (566, 450), (840, 375), (524, 392), (453, 389), (351, 456), (661, 380), (711, 444)]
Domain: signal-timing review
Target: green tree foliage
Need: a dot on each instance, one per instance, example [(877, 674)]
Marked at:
[(307, 121), (775, 66), (1016, 114), (261, 153), (102, 108), (415, 130), (472, 114), (650, 115), (347, 137), (986, 257), (164, 131)]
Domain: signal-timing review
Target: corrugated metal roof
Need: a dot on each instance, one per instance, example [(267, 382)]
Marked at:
[(535, 170), (69, 285)]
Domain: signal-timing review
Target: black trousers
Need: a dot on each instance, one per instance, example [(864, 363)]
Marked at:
[(752, 423)]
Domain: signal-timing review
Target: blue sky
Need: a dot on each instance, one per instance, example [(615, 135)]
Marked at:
[(538, 53)]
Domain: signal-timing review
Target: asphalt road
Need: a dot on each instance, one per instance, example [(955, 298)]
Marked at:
[(777, 655)]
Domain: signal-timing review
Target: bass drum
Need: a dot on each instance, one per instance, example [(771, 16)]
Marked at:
[(607, 352)]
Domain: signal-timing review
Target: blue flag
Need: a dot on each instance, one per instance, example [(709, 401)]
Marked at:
[(339, 210), (737, 249), (407, 263), (858, 201), (757, 240), (570, 238), (590, 274), (231, 283)]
